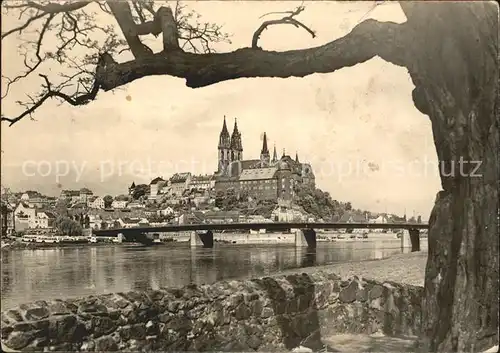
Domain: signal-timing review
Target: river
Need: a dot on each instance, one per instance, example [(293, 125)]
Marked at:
[(29, 275)]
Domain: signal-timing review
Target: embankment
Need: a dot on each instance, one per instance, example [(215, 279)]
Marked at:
[(267, 314)]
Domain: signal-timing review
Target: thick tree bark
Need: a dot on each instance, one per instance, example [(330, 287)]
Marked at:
[(454, 67)]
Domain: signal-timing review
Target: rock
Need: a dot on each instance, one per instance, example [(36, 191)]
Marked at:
[(23, 327), (173, 306), (348, 294), (180, 324), (87, 346), (302, 349), (19, 340), (106, 344), (362, 295), (242, 312), (92, 308), (155, 295), (267, 312), (35, 314), (152, 328), (6, 330), (254, 342), (58, 308), (256, 307), (102, 326), (235, 300), (11, 316), (62, 328), (165, 317), (376, 291)]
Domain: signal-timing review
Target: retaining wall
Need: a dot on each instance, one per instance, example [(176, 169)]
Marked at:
[(266, 314)]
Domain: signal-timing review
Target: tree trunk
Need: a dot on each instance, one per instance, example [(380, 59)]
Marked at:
[(455, 71)]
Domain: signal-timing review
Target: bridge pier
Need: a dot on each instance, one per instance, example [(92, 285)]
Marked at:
[(305, 237), (405, 239), (411, 239), (205, 239), (415, 239)]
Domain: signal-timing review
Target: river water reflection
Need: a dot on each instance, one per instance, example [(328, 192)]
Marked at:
[(29, 275)]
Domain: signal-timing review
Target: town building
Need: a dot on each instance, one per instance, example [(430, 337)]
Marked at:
[(155, 187), (44, 219), (85, 194), (96, 202), (7, 219), (26, 216), (261, 179), (28, 195), (119, 204), (179, 182), (202, 182), (70, 195)]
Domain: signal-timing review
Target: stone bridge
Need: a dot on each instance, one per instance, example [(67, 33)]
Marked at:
[(305, 233)]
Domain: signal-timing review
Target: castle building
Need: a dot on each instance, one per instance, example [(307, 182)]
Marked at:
[(261, 179)]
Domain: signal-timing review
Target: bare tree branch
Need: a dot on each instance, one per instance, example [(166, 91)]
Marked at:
[(38, 57), (285, 20), (123, 14), (74, 25), (25, 25), (53, 7), (105, 60)]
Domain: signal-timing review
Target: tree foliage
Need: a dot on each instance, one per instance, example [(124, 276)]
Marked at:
[(140, 191), (319, 203), (122, 198), (108, 200), (68, 226), (62, 206)]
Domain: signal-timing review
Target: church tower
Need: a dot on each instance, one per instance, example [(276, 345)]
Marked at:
[(297, 157), (275, 155), (236, 146), (264, 153), (224, 148)]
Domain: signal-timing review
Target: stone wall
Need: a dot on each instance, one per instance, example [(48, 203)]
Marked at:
[(270, 313)]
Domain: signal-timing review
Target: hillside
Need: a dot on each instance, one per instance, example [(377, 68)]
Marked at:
[(312, 201)]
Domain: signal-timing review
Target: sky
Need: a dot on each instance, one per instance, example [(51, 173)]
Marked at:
[(357, 127)]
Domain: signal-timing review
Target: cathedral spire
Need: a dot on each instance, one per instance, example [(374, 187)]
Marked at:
[(275, 155), (224, 139), (296, 157), (224, 127), (264, 145), (235, 126), (283, 153), (264, 153), (236, 138)]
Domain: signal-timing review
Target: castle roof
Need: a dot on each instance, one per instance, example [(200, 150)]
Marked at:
[(179, 177), (156, 181), (258, 174)]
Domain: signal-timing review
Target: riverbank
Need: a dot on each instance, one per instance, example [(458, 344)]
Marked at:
[(402, 268), (21, 245)]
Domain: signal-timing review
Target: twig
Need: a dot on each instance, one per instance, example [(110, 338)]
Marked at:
[(285, 20)]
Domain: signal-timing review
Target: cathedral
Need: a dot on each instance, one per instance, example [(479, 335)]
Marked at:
[(263, 178)]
